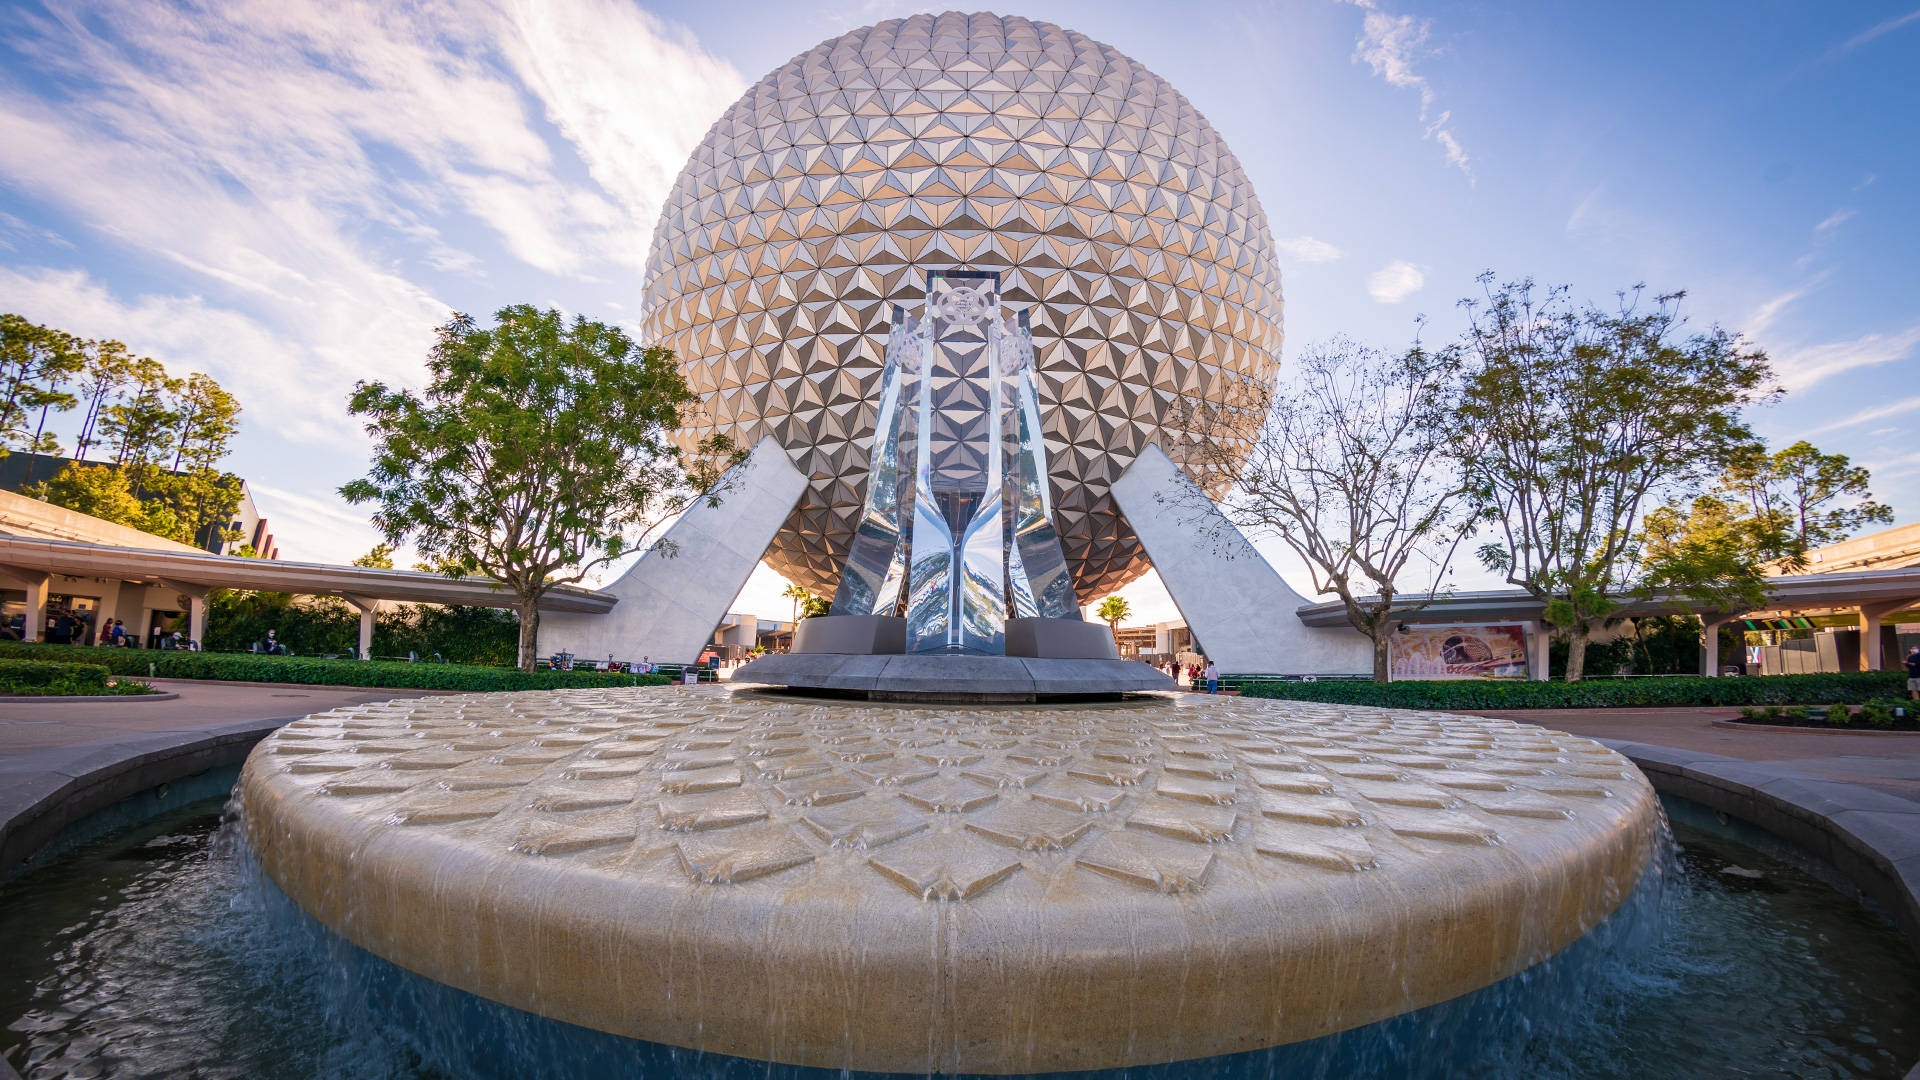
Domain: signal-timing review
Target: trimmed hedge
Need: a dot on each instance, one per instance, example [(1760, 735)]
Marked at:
[(246, 667), (48, 678), (1851, 688)]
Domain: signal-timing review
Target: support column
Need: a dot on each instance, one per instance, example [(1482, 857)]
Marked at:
[(367, 608), (196, 598), (1539, 650), (34, 583), (196, 619), (1710, 624), (1870, 616)]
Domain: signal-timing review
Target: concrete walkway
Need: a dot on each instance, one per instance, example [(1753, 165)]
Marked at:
[(29, 727), (1888, 763)]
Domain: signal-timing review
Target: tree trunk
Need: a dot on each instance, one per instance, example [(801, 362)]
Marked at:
[(1381, 639), (529, 632), (1576, 651)]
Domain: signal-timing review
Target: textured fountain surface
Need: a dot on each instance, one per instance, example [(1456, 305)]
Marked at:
[(947, 888)]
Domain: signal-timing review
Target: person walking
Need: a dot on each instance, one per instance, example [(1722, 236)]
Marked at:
[(1213, 678), (1913, 673)]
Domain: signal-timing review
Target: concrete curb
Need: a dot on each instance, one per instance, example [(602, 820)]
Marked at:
[(69, 699), (1741, 725), (44, 792), (1871, 838)]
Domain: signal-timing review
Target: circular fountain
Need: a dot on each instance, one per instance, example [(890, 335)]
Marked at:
[(952, 889)]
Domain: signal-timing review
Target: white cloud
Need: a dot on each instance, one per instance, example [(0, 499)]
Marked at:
[(1803, 366), (1835, 220), (1391, 45), (1582, 212), (282, 154), (279, 380), (1306, 249), (1868, 415), (1886, 27), (1761, 321), (319, 528), (1395, 282)]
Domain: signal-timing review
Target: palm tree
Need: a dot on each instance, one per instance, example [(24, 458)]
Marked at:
[(1113, 609), (799, 595)]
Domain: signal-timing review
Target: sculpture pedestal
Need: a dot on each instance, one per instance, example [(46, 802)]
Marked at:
[(953, 678)]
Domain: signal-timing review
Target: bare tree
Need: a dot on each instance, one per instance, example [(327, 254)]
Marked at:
[(1348, 466)]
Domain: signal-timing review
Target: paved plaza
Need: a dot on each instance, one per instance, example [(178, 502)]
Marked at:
[(28, 727), (1885, 762)]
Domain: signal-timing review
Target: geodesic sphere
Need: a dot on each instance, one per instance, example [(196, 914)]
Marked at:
[(1112, 210)]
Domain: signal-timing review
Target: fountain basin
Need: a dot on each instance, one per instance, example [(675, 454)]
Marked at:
[(952, 889)]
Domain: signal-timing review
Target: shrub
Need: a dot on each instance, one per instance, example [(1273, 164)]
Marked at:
[(246, 667), (1798, 714), (1879, 712), (1847, 688), (49, 678)]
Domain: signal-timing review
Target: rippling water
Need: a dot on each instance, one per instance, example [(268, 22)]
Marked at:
[(159, 952)]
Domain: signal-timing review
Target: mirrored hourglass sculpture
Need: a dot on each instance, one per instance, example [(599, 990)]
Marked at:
[(956, 535), (956, 584)]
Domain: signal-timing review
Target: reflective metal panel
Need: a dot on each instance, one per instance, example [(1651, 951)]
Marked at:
[(957, 497)]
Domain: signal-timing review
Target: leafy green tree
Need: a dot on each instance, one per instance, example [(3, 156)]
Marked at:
[(202, 501), (1715, 551), (815, 605), (539, 450), (106, 367), (378, 557), (1112, 610), (36, 363), (1823, 498), (140, 425), (799, 594), (99, 490), (1581, 420)]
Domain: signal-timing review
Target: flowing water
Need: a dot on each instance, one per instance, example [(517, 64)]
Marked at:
[(159, 951)]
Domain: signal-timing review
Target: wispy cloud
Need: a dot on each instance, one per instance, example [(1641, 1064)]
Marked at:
[(1834, 220), (1803, 366), (1583, 211), (1395, 282), (1762, 320), (1869, 415), (1306, 249), (1877, 30), (309, 179), (1392, 45)]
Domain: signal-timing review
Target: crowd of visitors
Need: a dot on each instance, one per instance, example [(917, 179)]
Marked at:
[(70, 627), (1196, 675)]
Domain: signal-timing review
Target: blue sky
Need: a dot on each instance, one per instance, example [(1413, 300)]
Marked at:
[(289, 195)]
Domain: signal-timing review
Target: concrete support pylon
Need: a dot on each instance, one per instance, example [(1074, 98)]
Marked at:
[(368, 608), (34, 584), (1710, 624), (671, 600), (1242, 614), (1871, 656), (196, 598)]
